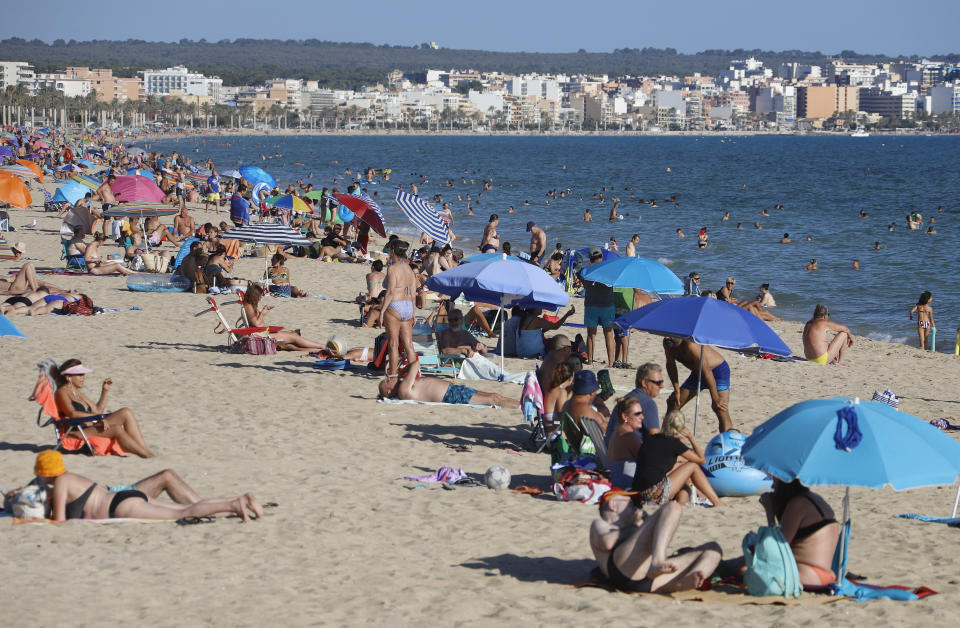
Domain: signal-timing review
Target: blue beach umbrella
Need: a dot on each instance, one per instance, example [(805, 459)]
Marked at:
[(707, 322), (256, 174), (144, 172), (848, 442), (486, 257), (70, 193), (584, 254), (634, 272), (502, 281), (8, 329)]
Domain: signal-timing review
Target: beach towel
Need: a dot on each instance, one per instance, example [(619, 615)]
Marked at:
[(435, 403), (443, 474), (953, 522), (479, 367)]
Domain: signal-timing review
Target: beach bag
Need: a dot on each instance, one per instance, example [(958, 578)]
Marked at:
[(154, 263), (83, 306), (137, 264), (771, 567), (281, 290), (199, 282), (888, 397), (29, 502), (255, 344), (581, 485)]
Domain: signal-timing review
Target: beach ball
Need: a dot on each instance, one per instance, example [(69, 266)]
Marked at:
[(497, 477)]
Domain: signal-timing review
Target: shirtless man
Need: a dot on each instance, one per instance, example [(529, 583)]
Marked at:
[(183, 225), (417, 388), (105, 192), (816, 347), (538, 242), (585, 402), (716, 377), (632, 245), (490, 235), (812, 265), (455, 339), (631, 548)]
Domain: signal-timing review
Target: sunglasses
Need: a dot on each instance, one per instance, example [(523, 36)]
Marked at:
[(658, 382)]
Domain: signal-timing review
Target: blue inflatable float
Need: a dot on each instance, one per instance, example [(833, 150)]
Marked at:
[(158, 283), (726, 471)]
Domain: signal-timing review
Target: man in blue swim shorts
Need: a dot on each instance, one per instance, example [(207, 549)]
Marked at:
[(598, 311), (416, 388), (716, 377)]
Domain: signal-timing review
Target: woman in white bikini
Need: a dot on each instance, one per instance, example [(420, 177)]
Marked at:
[(398, 306)]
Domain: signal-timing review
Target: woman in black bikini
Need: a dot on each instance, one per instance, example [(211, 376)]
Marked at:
[(121, 424), (76, 497), (808, 525)]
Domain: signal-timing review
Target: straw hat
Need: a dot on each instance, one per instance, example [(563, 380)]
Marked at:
[(337, 344)]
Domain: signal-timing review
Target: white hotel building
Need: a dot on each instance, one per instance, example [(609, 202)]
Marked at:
[(179, 79)]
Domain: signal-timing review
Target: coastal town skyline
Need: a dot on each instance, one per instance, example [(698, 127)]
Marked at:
[(560, 26)]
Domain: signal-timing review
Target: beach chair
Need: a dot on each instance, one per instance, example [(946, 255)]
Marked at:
[(592, 429), (531, 404), (49, 205), (69, 433), (234, 333), (4, 220), (72, 262)]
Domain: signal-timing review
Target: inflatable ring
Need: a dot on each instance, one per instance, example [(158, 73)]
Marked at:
[(345, 214), (726, 471)]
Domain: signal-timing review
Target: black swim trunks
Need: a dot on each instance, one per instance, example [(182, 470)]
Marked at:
[(623, 583)]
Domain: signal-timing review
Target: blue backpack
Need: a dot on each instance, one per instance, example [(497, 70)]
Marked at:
[(771, 567)]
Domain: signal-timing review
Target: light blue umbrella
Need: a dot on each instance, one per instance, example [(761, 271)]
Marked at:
[(844, 441), (8, 329), (256, 174), (486, 257), (70, 193), (144, 172), (705, 321), (634, 272), (501, 281)]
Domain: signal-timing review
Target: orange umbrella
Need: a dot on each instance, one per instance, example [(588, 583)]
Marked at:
[(33, 166), (14, 191)]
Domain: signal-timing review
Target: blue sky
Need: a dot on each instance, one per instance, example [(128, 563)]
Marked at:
[(878, 26)]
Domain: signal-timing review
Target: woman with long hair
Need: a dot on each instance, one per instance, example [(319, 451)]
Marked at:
[(924, 317), (256, 316)]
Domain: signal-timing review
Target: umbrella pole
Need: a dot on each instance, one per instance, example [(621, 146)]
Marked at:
[(844, 548), (956, 502), (503, 343)]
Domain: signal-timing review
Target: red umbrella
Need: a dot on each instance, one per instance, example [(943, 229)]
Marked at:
[(136, 188), (363, 210)]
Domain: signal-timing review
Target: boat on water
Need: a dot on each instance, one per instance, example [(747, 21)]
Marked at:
[(859, 133)]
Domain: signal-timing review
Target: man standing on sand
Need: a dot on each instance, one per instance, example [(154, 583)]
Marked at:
[(599, 311), (632, 245), (538, 242), (631, 547), (816, 348), (716, 377), (105, 193), (490, 241), (213, 196)]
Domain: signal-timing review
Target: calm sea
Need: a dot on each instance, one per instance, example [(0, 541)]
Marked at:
[(821, 182)]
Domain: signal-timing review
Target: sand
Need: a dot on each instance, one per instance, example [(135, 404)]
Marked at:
[(349, 542)]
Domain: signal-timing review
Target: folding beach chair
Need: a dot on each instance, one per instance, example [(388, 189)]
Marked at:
[(531, 404), (234, 333), (4, 220), (592, 429), (69, 432), (72, 262), (49, 205)]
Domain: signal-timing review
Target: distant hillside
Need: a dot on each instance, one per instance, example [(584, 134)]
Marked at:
[(343, 65)]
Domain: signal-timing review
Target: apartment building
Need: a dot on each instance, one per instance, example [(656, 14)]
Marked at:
[(178, 79), (13, 73), (874, 100), (107, 86), (822, 101)]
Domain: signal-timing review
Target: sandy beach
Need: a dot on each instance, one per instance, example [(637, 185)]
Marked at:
[(349, 541)]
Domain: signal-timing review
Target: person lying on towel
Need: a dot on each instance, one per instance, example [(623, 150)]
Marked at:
[(414, 387)]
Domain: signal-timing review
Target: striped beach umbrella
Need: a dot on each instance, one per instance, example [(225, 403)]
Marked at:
[(424, 217), (140, 210), (86, 180), (20, 171), (266, 233)]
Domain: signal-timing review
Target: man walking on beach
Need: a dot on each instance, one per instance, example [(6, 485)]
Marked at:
[(816, 347), (538, 242), (599, 311), (716, 377)]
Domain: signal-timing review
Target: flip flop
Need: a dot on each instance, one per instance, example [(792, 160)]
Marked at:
[(523, 489), (192, 521)]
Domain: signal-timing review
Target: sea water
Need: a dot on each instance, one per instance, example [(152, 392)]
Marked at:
[(822, 183)]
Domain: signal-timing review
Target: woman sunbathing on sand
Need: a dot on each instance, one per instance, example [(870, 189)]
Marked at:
[(121, 424), (26, 281), (76, 497), (256, 316)]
